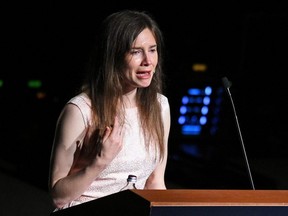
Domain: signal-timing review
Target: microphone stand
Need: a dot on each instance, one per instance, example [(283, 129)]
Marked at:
[(227, 84)]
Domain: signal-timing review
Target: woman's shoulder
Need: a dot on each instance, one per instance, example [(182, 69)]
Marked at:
[(163, 99), (83, 102), (80, 99), (164, 102)]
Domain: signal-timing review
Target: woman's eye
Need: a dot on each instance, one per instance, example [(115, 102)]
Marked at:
[(135, 52)]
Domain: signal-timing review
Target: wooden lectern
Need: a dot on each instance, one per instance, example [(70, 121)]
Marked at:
[(181, 202)]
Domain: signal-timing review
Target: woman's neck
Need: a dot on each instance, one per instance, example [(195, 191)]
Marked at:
[(129, 99)]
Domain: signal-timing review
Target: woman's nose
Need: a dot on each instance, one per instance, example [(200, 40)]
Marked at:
[(146, 59)]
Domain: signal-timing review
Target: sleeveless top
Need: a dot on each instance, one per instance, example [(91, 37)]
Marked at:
[(132, 159)]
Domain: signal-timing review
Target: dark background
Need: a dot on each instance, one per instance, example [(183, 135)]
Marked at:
[(50, 41)]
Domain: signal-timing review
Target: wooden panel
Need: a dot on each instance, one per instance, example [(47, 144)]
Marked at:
[(185, 203), (215, 197)]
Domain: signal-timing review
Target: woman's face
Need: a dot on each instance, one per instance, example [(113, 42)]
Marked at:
[(142, 60)]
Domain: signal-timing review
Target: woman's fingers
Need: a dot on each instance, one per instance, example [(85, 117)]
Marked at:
[(117, 127), (113, 133)]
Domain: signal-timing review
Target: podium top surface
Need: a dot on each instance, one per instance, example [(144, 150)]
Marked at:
[(181, 197)]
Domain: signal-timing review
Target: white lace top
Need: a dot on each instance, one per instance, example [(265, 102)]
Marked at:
[(132, 159)]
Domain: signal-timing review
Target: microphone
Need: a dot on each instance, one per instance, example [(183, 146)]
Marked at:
[(227, 84)]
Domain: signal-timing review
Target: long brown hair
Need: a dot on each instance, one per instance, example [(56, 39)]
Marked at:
[(106, 73)]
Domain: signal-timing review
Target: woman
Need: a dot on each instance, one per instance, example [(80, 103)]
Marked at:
[(119, 122)]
